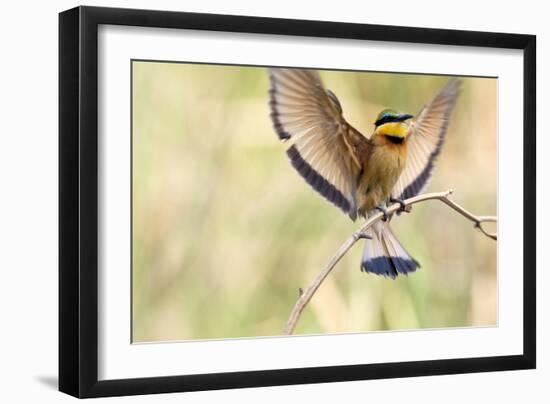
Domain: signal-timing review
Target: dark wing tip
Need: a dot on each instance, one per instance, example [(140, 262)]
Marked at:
[(317, 181), (274, 114), (449, 92), (418, 184), (455, 83), (335, 101), (452, 90)]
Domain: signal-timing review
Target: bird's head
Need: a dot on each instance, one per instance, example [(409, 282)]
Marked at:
[(392, 125)]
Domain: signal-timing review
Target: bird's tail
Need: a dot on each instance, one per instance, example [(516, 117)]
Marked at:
[(384, 254)]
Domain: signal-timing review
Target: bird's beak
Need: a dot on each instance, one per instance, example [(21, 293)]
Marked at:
[(404, 117)]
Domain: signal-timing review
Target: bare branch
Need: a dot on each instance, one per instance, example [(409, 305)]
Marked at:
[(306, 294)]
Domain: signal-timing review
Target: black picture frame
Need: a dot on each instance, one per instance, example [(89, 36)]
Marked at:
[(78, 201)]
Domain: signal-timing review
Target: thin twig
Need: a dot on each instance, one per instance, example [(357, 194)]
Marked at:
[(306, 294)]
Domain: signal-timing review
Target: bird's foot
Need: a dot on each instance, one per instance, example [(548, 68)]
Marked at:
[(403, 206), (384, 212)]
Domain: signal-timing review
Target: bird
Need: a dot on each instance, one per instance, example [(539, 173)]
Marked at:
[(360, 175)]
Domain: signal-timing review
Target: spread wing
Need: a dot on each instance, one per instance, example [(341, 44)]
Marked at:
[(426, 137), (324, 148)]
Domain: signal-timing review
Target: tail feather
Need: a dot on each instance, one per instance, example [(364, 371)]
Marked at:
[(384, 254)]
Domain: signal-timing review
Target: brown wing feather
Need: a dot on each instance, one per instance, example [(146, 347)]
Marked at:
[(323, 146), (425, 141)]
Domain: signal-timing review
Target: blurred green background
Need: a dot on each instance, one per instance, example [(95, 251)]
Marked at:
[(225, 232)]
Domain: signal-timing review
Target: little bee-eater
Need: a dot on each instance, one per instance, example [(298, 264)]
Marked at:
[(360, 175)]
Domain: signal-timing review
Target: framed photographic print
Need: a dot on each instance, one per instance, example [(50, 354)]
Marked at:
[(251, 201)]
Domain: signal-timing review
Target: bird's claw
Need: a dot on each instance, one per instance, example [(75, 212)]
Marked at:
[(403, 207), (384, 212)]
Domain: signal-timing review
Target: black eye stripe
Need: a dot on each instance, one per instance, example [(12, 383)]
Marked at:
[(392, 118), (386, 119)]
